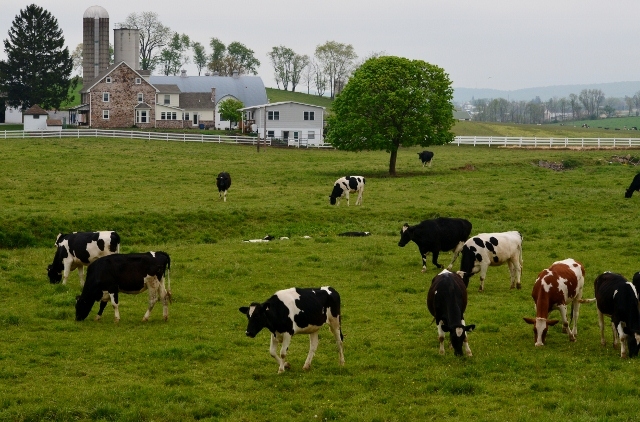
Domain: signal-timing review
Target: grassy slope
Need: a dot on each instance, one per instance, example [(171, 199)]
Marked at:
[(199, 365), (276, 95)]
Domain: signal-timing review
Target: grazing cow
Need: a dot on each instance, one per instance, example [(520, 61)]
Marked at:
[(489, 250), (355, 234), (346, 185), (636, 282), (78, 250), (296, 311), (447, 301), (126, 273), (561, 283), (635, 185), (426, 157), (223, 181), (440, 234), (618, 299)]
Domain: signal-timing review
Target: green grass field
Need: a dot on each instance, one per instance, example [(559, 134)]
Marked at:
[(200, 366)]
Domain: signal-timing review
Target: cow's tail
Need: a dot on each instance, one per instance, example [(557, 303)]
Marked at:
[(592, 300)]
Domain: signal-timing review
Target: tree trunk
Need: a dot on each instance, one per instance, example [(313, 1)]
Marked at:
[(392, 162)]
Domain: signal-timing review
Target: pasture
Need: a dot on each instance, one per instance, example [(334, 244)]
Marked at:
[(200, 365)]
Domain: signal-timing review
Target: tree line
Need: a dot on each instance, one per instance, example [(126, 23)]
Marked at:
[(589, 104)]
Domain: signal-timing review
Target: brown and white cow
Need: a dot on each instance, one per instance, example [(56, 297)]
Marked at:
[(555, 287)]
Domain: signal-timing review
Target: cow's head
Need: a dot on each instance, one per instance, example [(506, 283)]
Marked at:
[(457, 335), (628, 193), (83, 307), (633, 341), (54, 275), (257, 315), (405, 235), (335, 194), (540, 328)]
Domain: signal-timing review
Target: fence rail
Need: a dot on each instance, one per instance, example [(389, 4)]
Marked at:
[(522, 141)]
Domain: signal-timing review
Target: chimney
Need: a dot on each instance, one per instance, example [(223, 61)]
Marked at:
[(215, 73), (207, 74), (213, 95), (235, 73), (183, 73)]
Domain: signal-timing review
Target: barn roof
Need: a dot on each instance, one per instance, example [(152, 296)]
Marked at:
[(35, 110)]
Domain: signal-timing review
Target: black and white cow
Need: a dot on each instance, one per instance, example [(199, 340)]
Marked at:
[(618, 299), (126, 273), (346, 185), (296, 311), (489, 250), (447, 301), (635, 185), (223, 181), (426, 157), (78, 250), (440, 234)]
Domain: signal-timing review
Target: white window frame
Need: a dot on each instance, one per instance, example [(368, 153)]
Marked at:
[(271, 134), (108, 79), (140, 97), (309, 115), (185, 116), (273, 115), (167, 99), (105, 114), (138, 81), (106, 97), (311, 134), (142, 116)]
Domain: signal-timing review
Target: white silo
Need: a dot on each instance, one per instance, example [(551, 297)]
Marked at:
[(95, 42), (126, 46)]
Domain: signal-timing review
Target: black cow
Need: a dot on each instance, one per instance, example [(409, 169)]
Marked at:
[(440, 234), (635, 185), (127, 273), (618, 299), (296, 311), (345, 185), (447, 301), (426, 157), (78, 250), (223, 181)]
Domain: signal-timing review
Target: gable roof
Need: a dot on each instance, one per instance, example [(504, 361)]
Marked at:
[(54, 122), (142, 106), (248, 89), (35, 110), (282, 103), (167, 88), (196, 100), (107, 72)]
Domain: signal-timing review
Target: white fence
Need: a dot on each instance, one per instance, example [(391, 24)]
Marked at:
[(521, 141)]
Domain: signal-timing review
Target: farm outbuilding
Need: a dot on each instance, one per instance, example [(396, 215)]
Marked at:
[(35, 118)]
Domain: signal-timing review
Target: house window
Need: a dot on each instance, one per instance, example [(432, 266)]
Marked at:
[(35, 116), (174, 116), (105, 114), (140, 97), (138, 81), (185, 116), (167, 99), (168, 115), (311, 135), (108, 79), (309, 115), (105, 97), (271, 134), (142, 116), (273, 115), (163, 116)]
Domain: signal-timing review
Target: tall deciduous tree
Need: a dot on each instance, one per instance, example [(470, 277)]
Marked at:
[(281, 58), (230, 110), (38, 65), (338, 62), (244, 57), (153, 36), (199, 56), (174, 55), (300, 62), (234, 58), (219, 50), (391, 102)]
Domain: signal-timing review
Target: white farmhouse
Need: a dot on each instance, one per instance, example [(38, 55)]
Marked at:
[(35, 118), (293, 123)]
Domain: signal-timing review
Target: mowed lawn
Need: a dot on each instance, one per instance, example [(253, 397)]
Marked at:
[(200, 365)]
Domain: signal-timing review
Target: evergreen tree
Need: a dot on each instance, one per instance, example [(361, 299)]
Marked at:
[(38, 66)]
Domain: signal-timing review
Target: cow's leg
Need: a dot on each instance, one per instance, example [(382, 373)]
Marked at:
[(346, 195), (616, 338), (430, 161), (565, 322), (441, 335), (286, 340), (65, 272), (575, 313), (359, 200), (273, 349), (424, 261), (623, 341), (114, 302), (81, 275), (313, 346), (484, 266), (152, 284), (456, 252), (601, 325), (225, 196), (434, 258), (103, 304), (467, 349), (334, 325), (164, 297)]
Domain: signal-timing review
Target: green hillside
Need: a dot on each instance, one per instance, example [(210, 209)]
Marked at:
[(277, 95)]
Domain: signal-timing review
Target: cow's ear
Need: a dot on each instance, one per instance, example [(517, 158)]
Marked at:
[(244, 310), (529, 320), (470, 328), (552, 322)]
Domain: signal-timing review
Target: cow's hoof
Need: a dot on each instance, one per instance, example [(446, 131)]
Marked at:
[(565, 330), (97, 318), (518, 286), (287, 365), (116, 320), (424, 270), (469, 354), (449, 267), (512, 287), (145, 319), (480, 289), (280, 370), (306, 367), (572, 339)]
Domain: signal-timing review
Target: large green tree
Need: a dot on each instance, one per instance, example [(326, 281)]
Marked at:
[(38, 65), (230, 110), (174, 55), (391, 102), (153, 36)]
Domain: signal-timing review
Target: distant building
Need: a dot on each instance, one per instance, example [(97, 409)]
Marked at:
[(461, 115), (35, 118)]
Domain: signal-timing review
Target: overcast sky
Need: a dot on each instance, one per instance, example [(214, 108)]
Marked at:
[(499, 44)]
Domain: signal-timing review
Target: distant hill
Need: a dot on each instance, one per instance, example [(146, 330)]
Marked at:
[(276, 95), (613, 89)]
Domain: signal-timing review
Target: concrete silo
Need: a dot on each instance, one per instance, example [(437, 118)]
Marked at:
[(126, 46), (95, 42)]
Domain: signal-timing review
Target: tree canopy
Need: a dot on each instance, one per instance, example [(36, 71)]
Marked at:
[(38, 65), (153, 36), (230, 110), (391, 102)]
